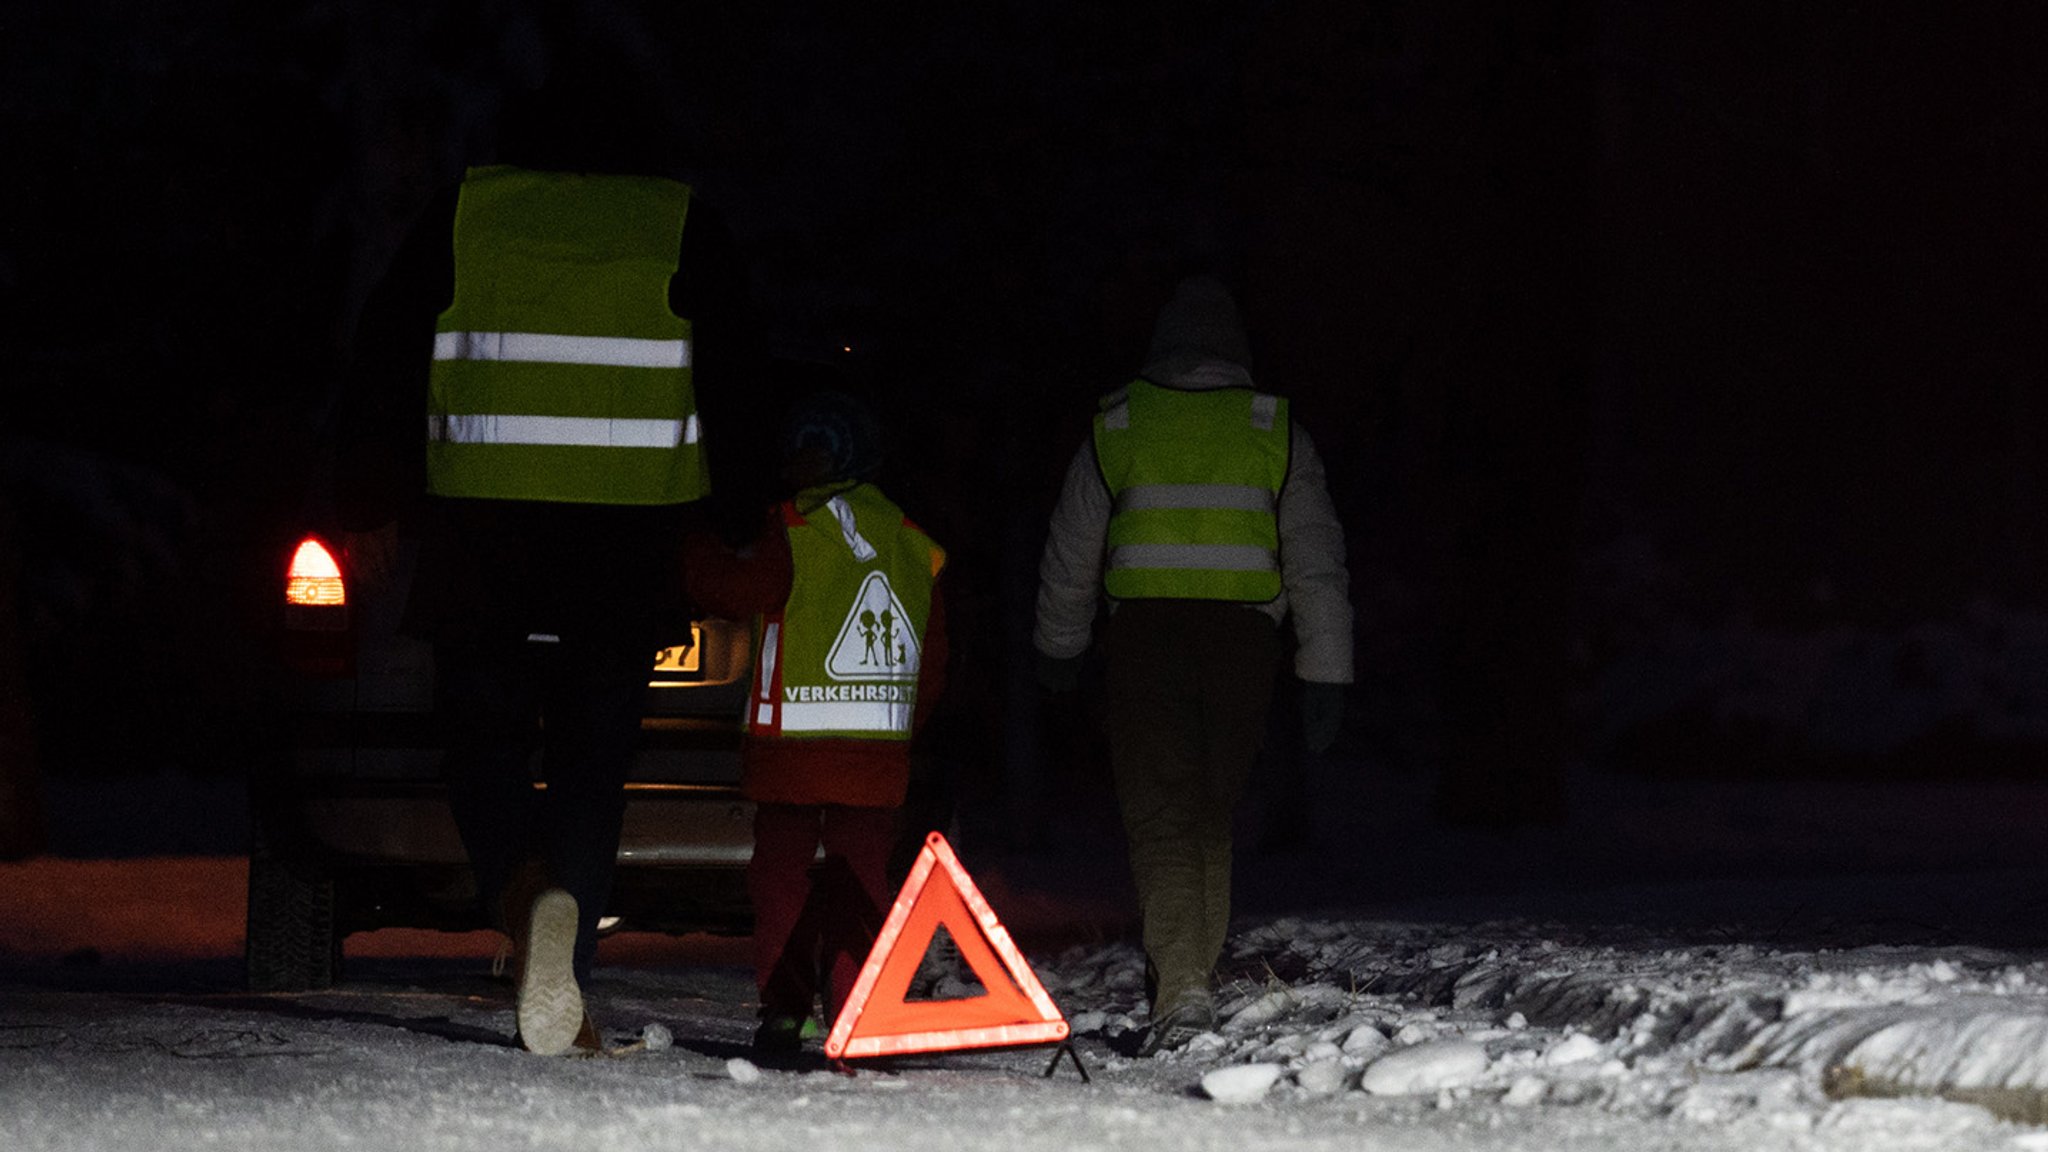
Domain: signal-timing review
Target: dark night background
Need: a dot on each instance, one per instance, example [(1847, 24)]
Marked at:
[(1678, 367)]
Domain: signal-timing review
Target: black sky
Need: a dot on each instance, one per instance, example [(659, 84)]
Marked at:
[(1611, 317)]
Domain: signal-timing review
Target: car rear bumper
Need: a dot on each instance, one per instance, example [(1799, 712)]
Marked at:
[(366, 788), (665, 826)]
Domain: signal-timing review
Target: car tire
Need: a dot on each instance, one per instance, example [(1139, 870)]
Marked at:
[(291, 944)]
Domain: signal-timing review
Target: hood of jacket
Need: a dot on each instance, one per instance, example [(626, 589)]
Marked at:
[(1198, 340)]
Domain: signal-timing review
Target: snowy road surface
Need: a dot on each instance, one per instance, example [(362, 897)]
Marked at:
[(1712, 968), (1376, 1034)]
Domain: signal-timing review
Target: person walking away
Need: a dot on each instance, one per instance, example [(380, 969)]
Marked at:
[(1201, 509), (555, 324), (849, 662)]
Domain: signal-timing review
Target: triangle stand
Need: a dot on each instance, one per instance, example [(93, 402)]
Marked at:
[(1067, 1049)]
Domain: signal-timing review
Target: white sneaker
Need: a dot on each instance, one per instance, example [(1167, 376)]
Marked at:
[(550, 1003)]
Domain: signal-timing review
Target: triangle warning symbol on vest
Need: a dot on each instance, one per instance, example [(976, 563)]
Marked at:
[(876, 642), (878, 1021)]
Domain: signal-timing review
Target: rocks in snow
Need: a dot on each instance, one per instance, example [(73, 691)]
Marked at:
[(1262, 1010), (1525, 1092), (1321, 1050), (1416, 1032), (1572, 1049), (1322, 1077), (1365, 1041), (1128, 978), (1242, 1083), (652, 1038), (1087, 1023), (1427, 1067), (1299, 1005)]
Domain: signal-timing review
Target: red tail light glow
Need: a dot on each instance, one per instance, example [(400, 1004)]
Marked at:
[(314, 579)]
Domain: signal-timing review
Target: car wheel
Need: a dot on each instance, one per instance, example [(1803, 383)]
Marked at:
[(291, 944)]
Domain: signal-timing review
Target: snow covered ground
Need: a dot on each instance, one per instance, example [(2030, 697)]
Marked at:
[(1501, 1035), (1801, 991)]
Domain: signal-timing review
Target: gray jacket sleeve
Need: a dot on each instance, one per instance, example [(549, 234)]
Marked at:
[(1318, 586), (1070, 573)]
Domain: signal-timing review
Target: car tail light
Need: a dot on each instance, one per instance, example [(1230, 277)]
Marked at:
[(314, 578), (317, 639)]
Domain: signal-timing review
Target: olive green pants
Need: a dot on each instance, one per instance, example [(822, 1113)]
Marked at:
[(1188, 686)]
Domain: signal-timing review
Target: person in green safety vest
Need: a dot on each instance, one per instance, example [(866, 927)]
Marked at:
[(560, 372), (1200, 508), (539, 363), (850, 658)]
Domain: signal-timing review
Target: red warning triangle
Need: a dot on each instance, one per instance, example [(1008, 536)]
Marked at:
[(878, 1021)]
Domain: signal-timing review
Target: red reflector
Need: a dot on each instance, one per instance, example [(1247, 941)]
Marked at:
[(878, 1019), (314, 578)]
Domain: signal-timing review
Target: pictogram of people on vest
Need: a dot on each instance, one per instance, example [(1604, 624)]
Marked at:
[(868, 633), (877, 641), (880, 629)]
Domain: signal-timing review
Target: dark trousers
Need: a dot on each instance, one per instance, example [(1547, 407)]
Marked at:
[(810, 927), (1188, 684), (578, 700)]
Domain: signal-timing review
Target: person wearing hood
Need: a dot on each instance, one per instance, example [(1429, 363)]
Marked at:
[(1200, 508), (850, 650)]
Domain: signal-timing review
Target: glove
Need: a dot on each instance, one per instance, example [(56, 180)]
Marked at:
[(1059, 674), (1322, 714)]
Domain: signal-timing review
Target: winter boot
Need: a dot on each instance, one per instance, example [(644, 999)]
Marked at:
[(782, 1035), (1191, 1014)]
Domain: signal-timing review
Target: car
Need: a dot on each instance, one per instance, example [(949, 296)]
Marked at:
[(351, 829)]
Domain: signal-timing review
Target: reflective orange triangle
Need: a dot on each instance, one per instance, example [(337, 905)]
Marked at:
[(877, 1021)]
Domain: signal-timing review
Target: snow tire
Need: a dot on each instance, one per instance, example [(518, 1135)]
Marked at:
[(291, 944)]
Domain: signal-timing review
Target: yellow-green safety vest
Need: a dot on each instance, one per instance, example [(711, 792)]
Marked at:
[(842, 658), (1194, 476), (560, 372)]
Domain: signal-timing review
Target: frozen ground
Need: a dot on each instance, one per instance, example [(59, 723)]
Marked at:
[(1786, 968)]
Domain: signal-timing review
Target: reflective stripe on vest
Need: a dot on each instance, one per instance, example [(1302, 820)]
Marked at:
[(842, 659), (572, 431), (555, 348), (887, 713), (1194, 479), (560, 373), (1241, 497), (1195, 557)]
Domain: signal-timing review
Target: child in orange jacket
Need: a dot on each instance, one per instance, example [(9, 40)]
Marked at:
[(831, 774)]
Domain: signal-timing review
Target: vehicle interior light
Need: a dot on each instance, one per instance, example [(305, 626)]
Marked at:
[(314, 577)]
